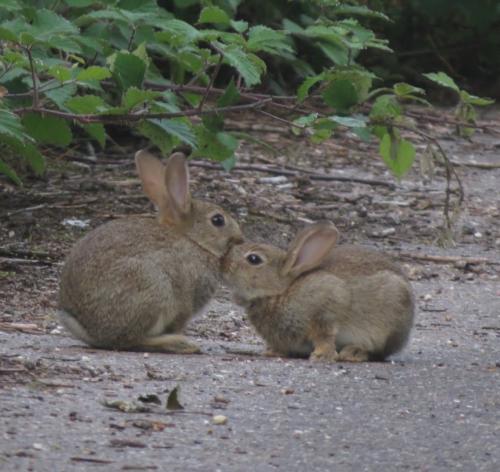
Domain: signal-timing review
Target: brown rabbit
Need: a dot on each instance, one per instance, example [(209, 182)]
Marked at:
[(338, 304), (135, 282)]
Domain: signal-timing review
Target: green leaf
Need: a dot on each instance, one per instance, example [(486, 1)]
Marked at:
[(61, 73), (262, 38), (8, 35), (28, 151), (128, 70), (10, 125), (306, 120), (177, 33), (60, 95), (12, 5), (358, 121), (341, 95), (33, 157), (48, 129), (398, 154), (135, 96), (213, 122), (94, 73), (47, 24), (361, 10), (443, 79), (96, 131), (386, 107), (249, 66), (215, 15), (228, 140), (473, 100), (363, 133), (239, 26), (86, 104), (79, 3), (178, 128), (216, 146), (157, 135), (230, 95), (402, 89), (303, 90), (9, 172)]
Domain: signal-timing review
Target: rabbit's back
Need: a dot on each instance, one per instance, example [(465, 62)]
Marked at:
[(351, 261), (134, 277)]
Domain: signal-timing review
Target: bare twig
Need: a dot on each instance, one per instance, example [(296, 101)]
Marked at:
[(449, 259), (134, 117), (293, 173)]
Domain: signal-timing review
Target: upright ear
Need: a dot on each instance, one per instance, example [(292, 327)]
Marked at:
[(177, 188), (309, 248), (152, 174)]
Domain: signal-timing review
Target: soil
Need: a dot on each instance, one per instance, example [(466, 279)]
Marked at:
[(433, 407)]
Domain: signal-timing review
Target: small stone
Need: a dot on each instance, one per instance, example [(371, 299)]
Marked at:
[(478, 235), (219, 419)]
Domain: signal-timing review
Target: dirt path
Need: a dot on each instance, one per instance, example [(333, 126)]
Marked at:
[(435, 407)]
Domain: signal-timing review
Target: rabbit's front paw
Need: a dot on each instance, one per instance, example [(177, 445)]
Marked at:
[(353, 354), (325, 353)]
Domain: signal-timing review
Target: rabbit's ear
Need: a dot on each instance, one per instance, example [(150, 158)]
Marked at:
[(152, 174), (177, 188), (309, 248)]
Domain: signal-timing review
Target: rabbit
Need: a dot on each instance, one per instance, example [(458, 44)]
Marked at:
[(134, 283), (317, 300)]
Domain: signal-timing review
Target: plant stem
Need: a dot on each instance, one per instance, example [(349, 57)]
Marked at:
[(33, 78), (134, 117)]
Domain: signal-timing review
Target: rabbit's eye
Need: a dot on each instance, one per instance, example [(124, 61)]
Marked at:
[(254, 259), (218, 220)]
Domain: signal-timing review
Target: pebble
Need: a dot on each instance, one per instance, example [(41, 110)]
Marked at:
[(219, 419)]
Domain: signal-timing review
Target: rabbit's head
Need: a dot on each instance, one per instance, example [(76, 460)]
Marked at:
[(204, 223), (256, 271)]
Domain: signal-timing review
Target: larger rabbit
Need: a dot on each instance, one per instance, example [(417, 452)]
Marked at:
[(135, 282), (332, 303)]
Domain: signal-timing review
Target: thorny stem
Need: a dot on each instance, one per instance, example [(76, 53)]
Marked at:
[(450, 170), (212, 81), (33, 78), (132, 36), (282, 120)]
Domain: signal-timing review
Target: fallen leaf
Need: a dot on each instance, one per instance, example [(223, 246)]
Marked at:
[(172, 400), (150, 398), (150, 425), (126, 407)]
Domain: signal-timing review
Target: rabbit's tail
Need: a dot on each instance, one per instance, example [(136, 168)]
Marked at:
[(71, 324)]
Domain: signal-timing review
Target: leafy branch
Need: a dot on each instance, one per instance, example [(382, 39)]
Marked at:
[(77, 66)]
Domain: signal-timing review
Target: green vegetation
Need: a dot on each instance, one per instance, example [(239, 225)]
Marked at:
[(171, 72)]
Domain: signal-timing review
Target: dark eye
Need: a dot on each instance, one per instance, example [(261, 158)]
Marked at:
[(254, 259), (218, 220)]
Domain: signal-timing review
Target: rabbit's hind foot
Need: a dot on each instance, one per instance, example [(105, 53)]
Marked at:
[(170, 343), (353, 353)]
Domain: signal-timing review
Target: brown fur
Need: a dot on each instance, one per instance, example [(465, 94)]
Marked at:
[(342, 304), (134, 283)]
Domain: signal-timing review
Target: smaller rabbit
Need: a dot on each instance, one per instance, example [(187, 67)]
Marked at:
[(342, 303), (135, 282)]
